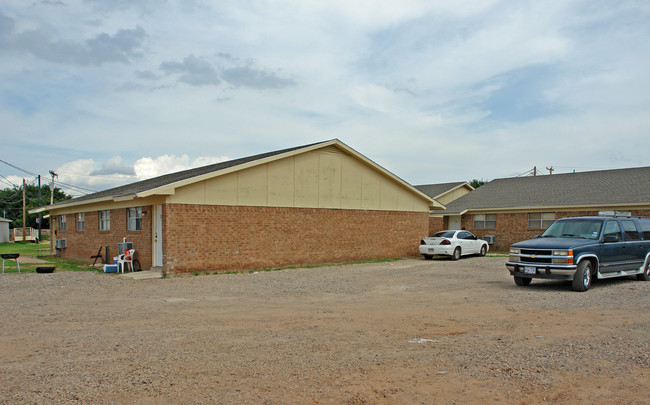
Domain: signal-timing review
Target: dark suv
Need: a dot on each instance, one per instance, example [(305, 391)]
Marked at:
[(577, 249)]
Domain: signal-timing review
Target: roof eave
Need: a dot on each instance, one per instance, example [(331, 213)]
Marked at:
[(579, 207), (67, 204)]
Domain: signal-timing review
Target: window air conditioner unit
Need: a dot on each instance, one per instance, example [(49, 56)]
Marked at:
[(61, 244), (489, 239)]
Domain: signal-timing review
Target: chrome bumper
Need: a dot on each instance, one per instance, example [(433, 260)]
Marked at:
[(550, 271)]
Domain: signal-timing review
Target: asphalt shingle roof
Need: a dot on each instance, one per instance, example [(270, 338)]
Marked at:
[(620, 186)]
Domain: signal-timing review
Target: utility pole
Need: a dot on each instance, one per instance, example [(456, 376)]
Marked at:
[(550, 170), (40, 216), (52, 238), (534, 170), (23, 212)]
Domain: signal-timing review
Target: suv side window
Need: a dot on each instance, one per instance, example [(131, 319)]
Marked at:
[(631, 233), (645, 228), (612, 229)]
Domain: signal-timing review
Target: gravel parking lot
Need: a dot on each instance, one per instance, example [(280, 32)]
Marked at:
[(410, 331)]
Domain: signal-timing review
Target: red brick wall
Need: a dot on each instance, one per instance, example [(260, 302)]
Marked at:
[(437, 224), (513, 228), (216, 238), (83, 244)]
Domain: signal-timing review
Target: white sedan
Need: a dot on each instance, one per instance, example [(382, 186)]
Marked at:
[(454, 244)]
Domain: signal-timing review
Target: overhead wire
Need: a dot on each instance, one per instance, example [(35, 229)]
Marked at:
[(62, 185)]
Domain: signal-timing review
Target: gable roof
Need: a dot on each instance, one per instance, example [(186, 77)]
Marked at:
[(437, 190), (620, 187), (166, 184)]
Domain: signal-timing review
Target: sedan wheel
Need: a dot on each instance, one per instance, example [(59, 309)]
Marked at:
[(456, 254), (483, 250)]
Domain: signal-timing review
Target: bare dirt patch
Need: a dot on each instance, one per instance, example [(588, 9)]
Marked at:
[(411, 331)]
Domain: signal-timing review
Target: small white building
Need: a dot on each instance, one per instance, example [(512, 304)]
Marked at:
[(4, 230)]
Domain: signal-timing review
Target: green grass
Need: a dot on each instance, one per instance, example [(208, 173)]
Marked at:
[(37, 250)]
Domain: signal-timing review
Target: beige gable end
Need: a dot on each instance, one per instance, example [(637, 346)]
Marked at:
[(323, 178)]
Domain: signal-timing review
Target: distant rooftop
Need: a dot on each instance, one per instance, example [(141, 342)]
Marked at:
[(435, 190), (597, 188)]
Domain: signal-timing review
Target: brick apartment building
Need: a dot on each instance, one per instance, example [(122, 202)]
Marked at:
[(319, 203), (512, 209)]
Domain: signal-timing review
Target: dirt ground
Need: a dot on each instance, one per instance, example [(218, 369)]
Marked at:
[(404, 332)]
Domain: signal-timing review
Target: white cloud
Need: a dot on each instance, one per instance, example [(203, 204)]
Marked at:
[(147, 167), (93, 175), (416, 85)]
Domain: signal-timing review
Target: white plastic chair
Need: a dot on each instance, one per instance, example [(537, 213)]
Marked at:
[(126, 257)]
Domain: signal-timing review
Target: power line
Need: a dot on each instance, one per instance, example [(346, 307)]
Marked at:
[(18, 168), (78, 189), (6, 180)]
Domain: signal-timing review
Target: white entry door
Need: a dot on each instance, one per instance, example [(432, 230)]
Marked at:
[(454, 222), (157, 236)]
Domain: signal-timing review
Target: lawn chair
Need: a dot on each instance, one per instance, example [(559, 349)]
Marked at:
[(98, 256), (125, 258)]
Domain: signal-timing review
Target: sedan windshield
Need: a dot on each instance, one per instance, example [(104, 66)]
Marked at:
[(578, 228)]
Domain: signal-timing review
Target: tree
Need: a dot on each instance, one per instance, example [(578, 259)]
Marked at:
[(11, 203), (477, 183)]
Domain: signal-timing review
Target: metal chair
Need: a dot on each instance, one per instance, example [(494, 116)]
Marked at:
[(15, 257), (98, 256)]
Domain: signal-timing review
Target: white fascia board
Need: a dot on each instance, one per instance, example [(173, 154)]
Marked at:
[(125, 198), (60, 205), (542, 208)]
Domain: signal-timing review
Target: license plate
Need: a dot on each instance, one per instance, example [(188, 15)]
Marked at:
[(530, 270)]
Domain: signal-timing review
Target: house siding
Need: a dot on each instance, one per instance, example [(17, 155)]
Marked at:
[(83, 244), (219, 238)]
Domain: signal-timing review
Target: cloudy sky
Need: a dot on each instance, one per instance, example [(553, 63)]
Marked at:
[(106, 92)]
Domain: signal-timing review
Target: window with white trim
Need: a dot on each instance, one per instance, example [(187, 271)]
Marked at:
[(485, 221), (540, 220), (134, 216), (61, 222), (105, 220), (80, 222)]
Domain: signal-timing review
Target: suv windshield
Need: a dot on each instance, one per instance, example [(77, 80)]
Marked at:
[(574, 228)]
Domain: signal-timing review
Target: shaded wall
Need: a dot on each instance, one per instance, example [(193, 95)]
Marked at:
[(218, 238)]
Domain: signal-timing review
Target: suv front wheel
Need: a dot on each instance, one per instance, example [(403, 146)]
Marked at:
[(645, 276), (582, 278)]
